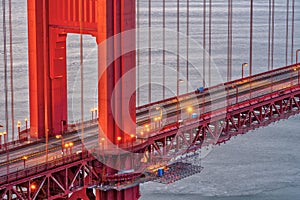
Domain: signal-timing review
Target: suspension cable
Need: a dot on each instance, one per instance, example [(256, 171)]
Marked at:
[(293, 31), (187, 43), (11, 73), (164, 48), (210, 40), (138, 52), (177, 70), (5, 64), (149, 51), (5, 82), (273, 33), (204, 41), (229, 42), (251, 37), (287, 32), (269, 36), (81, 76)]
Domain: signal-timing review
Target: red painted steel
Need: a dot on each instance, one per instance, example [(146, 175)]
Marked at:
[(48, 28), (49, 23), (63, 176)]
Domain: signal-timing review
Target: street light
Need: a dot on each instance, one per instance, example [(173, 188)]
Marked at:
[(24, 159), (19, 129), (62, 142), (297, 55), (244, 65), (92, 111), (71, 144), (119, 139), (189, 110), (26, 123), (1, 139), (5, 137), (132, 136), (96, 112)]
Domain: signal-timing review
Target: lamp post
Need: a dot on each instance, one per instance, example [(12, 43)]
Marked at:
[(26, 127), (92, 111), (26, 123), (96, 112), (132, 136), (297, 55), (24, 160), (119, 140), (66, 148), (19, 129), (243, 66), (62, 142), (1, 140), (71, 144), (189, 110), (5, 137), (160, 115)]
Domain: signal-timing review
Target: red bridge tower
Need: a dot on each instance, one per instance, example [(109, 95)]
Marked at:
[(49, 23)]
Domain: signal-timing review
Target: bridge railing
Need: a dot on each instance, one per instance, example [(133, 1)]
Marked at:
[(20, 174)]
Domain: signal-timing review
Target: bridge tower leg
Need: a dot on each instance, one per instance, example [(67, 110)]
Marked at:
[(49, 22)]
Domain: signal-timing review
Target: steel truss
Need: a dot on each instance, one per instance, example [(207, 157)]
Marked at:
[(66, 176)]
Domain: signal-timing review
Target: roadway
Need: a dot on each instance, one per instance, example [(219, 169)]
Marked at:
[(161, 113)]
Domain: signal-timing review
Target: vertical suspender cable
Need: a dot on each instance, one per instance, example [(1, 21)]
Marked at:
[(293, 30), (177, 70), (187, 42), (251, 37), (273, 33), (11, 74), (269, 36), (5, 79), (210, 40), (138, 51), (229, 42), (231, 16), (228, 33), (149, 52), (164, 48), (287, 32), (81, 76), (204, 41), (5, 65)]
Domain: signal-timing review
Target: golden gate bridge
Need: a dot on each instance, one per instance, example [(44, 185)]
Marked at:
[(123, 146)]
